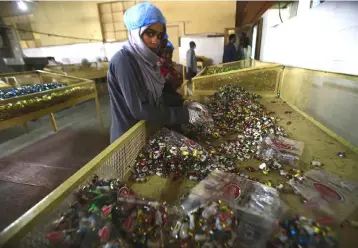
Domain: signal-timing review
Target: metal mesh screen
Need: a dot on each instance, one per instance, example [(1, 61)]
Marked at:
[(26, 104), (233, 66), (257, 79), (113, 162)]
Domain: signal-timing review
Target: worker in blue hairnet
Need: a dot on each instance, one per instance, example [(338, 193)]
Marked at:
[(134, 81)]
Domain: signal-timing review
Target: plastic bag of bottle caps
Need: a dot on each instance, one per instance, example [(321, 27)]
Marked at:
[(213, 224), (282, 150), (107, 214), (170, 152), (328, 193), (257, 208)]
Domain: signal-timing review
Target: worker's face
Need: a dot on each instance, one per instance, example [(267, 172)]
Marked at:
[(153, 35)]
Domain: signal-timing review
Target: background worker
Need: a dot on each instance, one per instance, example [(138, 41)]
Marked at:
[(244, 45), (134, 80), (191, 66), (230, 53), (173, 81)]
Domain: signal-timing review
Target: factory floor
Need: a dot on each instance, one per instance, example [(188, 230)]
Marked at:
[(33, 164)]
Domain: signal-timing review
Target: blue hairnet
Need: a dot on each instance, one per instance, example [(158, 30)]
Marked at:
[(169, 44), (165, 37), (143, 14)]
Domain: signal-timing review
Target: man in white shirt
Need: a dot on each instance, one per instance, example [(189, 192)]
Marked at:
[(191, 68)]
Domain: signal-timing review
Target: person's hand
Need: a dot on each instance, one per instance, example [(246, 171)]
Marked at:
[(196, 105), (197, 117)]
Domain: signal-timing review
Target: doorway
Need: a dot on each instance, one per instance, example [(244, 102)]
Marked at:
[(173, 34)]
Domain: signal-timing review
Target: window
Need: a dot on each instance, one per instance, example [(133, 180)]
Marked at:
[(111, 18)]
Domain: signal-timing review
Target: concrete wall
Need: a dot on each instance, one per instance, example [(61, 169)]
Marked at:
[(75, 18), (322, 38), (199, 16), (81, 19)]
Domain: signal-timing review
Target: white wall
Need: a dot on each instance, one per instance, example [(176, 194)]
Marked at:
[(322, 38), (209, 47), (73, 54)]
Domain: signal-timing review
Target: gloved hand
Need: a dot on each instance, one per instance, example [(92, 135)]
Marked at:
[(196, 105), (198, 117)]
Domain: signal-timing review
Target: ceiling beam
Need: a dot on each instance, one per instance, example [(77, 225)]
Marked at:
[(248, 13)]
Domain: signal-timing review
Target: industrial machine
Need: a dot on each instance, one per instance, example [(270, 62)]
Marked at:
[(12, 58)]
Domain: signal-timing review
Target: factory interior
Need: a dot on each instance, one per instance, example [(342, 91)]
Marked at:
[(238, 128)]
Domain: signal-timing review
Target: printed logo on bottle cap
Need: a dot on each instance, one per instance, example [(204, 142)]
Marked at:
[(327, 193), (125, 192), (232, 189), (189, 141), (325, 220)]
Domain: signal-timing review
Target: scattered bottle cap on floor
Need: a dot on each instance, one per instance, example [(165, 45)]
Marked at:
[(316, 163), (341, 154)]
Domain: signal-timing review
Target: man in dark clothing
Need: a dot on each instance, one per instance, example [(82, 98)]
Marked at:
[(230, 53), (244, 40), (244, 46)]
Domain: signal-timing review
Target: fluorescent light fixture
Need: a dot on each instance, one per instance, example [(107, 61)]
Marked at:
[(22, 5)]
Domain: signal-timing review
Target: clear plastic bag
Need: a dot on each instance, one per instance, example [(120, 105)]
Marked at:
[(212, 224), (107, 213), (282, 150), (256, 206), (328, 192), (171, 152)]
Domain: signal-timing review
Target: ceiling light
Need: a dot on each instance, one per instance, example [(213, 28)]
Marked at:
[(22, 5)]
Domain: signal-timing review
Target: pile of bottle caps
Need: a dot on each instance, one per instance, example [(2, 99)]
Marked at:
[(28, 89), (300, 231), (235, 110), (216, 70), (107, 214), (170, 152), (211, 225)]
